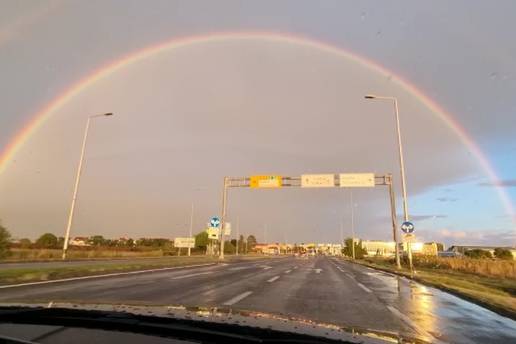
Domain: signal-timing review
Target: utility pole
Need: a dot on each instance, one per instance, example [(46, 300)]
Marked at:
[(352, 224), (237, 234), (223, 219), (191, 227)]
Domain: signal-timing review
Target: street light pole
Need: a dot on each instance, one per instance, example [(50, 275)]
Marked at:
[(77, 181), (402, 164)]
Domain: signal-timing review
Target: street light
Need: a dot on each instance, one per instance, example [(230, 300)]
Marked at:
[(77, 180), (402, 164)]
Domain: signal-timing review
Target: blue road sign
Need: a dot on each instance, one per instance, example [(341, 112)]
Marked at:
[(215, 221), (407, 227)]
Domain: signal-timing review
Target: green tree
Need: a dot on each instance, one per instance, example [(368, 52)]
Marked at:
[(201, 240), (229, 247), (5, 239), (360, 252), (503, 253), (25, 243), (47, 240), (251, 242), (478, 254), (97, 240)]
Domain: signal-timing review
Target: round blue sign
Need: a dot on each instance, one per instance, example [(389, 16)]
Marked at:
[(407, 227), (214, 221)]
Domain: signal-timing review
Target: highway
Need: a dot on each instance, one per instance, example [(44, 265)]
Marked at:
[(322, 288)]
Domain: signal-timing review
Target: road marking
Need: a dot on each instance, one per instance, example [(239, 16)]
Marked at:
[(340, 269), (237, 298), (318, 271), (411, 323), (295, 267), (192, 275), (115, 274), (288, 271), (267, 267), (273, 279), (364, 287), (209, 292), (240, 268), (350, 276)]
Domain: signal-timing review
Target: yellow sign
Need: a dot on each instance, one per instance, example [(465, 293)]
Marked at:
[(352, 180), (265, 181)]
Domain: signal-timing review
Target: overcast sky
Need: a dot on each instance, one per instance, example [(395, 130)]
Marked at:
[(187, 117)]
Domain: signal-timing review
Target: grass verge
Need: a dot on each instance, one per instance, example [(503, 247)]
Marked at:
[(47, 273), (496, 294)]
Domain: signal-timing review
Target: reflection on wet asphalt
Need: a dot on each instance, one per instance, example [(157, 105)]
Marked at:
[(442, 315)]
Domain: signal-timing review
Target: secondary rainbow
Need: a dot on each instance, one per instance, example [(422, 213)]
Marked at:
[(17, 142)]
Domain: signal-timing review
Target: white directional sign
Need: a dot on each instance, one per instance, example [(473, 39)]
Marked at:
[(184, 242), (213, 233), (317, 180), (353, 180), (227, 228)]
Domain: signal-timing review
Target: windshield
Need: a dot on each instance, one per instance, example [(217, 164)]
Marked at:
[(342, 163)]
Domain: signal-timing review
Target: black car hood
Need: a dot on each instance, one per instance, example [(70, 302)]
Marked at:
[(228, 316)]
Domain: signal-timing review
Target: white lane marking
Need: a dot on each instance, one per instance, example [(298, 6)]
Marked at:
[(364, 287), (318, 271), (192, 275), (240, 268), (104, 275), (211, 291), (340, 269), (288, 271), (411, 323), (295, 267), (350, 276), (267, 267), (237, 298), (273, 279)]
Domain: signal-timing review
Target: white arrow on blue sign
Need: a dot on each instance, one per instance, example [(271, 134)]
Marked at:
[(407, 227), (214, 221)]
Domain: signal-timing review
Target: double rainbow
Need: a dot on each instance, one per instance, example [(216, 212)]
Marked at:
[(39, 118)]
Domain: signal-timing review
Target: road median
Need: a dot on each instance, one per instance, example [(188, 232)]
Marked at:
[(32, 275)]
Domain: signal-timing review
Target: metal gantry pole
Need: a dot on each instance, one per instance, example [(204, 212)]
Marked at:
[(394, 220), (352, 224), (223, 218), (237, 234)]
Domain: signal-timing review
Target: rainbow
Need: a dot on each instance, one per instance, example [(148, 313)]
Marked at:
[(21, 137)]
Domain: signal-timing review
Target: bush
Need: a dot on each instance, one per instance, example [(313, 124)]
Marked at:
[(47, 240), (5, 239), (478, 254), (502, 253)]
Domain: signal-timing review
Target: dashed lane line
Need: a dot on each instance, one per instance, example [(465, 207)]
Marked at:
[(273, 279), (237, 298), (288, 271), (192, 275), (364, 287)]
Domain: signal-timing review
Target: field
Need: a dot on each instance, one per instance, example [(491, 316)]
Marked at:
[(20, 254), (490, 283)]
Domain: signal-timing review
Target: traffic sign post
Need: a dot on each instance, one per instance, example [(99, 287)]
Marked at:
[(408, 228)]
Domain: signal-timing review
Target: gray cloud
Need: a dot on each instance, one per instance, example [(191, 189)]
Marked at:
[(426, 217), (508, 183), (446, 199)]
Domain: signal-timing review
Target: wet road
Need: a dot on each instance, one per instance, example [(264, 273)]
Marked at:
[(323, 289)]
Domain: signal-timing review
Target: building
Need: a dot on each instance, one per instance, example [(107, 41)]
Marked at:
[(79, 241), (379, 248)]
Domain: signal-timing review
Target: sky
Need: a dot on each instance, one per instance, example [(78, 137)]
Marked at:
[(253, 100)]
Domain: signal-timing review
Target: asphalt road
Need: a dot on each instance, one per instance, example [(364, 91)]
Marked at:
[(322, 289)]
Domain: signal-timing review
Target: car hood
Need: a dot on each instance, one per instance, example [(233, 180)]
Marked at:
[(230, 316)]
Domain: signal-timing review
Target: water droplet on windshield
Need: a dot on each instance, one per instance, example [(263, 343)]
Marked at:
[(362, 16), (493, 75)]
